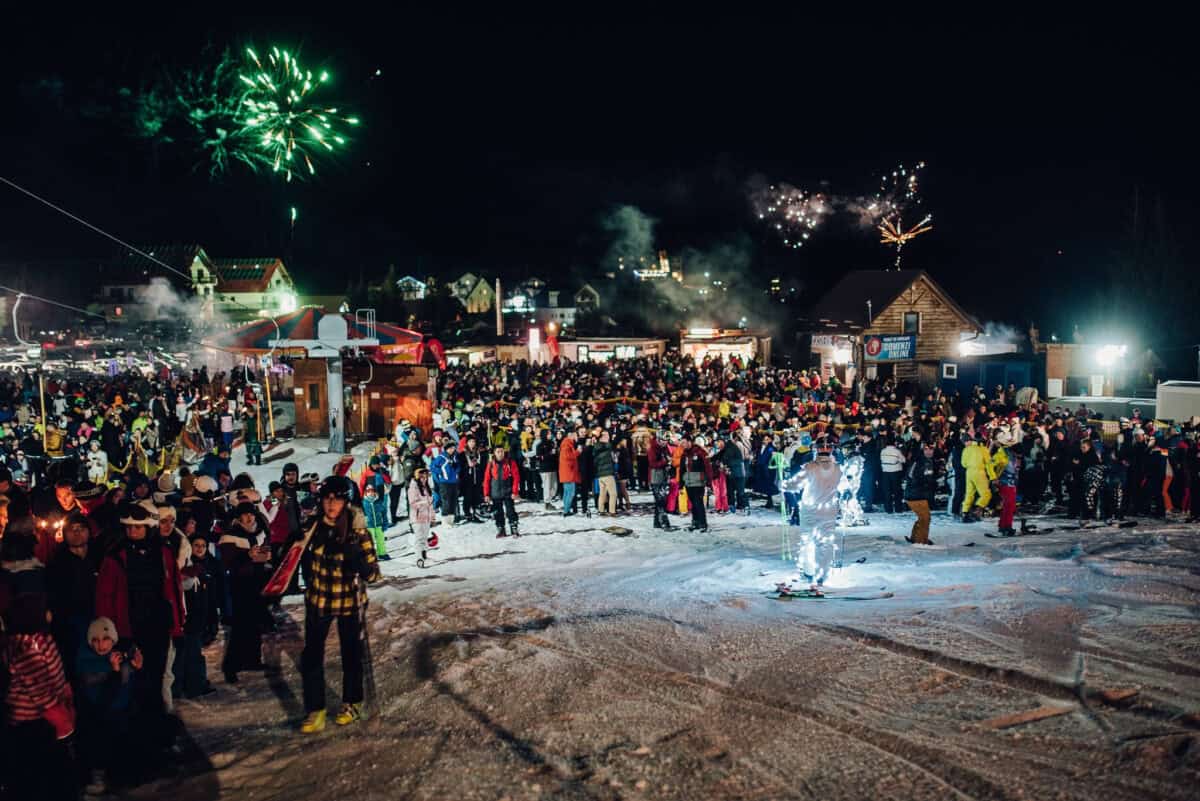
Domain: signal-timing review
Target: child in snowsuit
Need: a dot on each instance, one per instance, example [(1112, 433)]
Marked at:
[(375, 511), (105, 681), (420, 511)]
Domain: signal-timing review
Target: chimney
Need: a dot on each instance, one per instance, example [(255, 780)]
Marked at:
[(499, 311)]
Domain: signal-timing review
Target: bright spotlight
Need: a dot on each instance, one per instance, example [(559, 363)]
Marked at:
[(1107, 355)]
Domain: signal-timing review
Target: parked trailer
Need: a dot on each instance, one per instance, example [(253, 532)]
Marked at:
[(1178, 400)]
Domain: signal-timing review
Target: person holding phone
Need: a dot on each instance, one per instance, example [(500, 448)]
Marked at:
[(245, 553)]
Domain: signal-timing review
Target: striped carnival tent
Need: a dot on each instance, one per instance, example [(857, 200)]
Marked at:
[(256, 336), (395, 343)]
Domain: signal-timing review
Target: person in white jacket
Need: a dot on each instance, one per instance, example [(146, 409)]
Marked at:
[(891, 460), (97, 464)]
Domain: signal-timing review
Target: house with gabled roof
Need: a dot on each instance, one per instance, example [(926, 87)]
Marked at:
[(124, 281), (474, 293), (412, 288), (253, 287), (890, 323)]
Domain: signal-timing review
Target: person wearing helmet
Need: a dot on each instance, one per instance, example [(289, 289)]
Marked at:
[(817, 485), (338, 562)]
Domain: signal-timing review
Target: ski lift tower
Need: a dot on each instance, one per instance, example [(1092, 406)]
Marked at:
[(333, 336)]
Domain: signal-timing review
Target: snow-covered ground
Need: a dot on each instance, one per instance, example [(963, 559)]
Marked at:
[(574, 663)]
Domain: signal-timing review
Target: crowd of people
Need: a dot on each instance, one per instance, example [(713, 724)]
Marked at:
[(710, 436), (114, 580)]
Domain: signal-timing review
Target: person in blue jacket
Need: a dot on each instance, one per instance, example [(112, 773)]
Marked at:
[(445, 475)]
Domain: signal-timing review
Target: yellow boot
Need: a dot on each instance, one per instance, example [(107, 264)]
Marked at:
[(313, 723), (349, 714)]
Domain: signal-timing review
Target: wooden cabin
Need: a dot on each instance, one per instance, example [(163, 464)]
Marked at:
[(870, 308), (392, 392)]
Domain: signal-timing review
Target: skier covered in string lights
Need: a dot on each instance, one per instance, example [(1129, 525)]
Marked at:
[(817, 483)]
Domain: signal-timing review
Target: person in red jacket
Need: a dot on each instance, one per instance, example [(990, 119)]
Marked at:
[(139, 588), (658, 460), (568, 470), (502, 484), (696, 473)]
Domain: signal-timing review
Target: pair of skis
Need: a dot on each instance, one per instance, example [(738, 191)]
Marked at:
[(786, 592)]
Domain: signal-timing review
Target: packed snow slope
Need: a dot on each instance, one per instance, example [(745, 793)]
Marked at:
[(575, 663)]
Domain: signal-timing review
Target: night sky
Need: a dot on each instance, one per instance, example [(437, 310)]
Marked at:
[(498, 147)]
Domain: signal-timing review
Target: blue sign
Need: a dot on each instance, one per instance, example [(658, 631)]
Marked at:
[(891, 348)]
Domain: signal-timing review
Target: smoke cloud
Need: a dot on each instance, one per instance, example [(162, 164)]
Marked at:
[(164, 302), (718, 286), (632, 236)]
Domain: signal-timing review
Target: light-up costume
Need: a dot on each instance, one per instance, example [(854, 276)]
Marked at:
[(852, 472), (818, 482)]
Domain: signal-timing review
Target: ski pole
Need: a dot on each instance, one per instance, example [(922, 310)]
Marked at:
[(371, 701)]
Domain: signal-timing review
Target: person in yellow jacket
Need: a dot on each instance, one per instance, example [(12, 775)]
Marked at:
[(981, 472), (54, 440)]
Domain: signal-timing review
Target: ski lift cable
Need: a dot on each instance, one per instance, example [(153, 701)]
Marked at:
[(116, 239), (95, 228), (107, 319)]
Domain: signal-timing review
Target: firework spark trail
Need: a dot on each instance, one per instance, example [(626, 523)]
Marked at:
[(260, 113), (893, 234), (793, 212), (280, 116), (797, 213)]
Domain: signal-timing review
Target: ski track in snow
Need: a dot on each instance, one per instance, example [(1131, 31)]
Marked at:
[(572, 663)]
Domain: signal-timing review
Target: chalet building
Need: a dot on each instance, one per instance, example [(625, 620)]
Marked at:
[(535, 303), (475, 293), (897, 323), (134, 287), (253, 287), (411, 288), (186, 279)]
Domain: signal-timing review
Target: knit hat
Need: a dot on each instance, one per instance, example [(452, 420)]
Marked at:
[(244, 509), (165, 512), (136, 515), (204, 484), (242, 481), (102, 627)]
